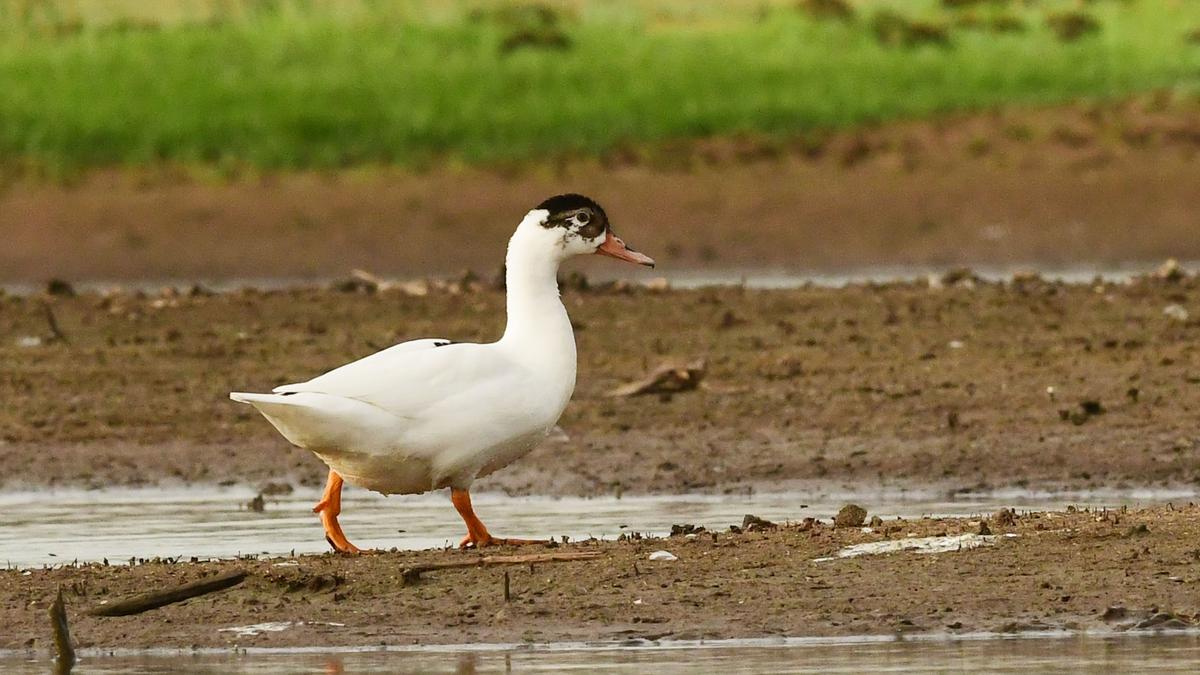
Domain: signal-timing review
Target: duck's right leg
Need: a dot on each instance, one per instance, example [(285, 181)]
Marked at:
[(328, 508)]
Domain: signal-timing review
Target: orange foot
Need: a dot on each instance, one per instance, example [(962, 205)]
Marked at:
[(328, 509), (477, 534)]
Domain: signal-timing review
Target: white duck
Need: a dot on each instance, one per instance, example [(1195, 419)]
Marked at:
[(432, 413)]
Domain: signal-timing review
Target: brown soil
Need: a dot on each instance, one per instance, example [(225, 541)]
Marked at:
[(894, 385), (1062, 571), (1088, 182)]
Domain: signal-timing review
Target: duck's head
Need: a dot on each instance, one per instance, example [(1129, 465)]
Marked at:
[(579, 226)]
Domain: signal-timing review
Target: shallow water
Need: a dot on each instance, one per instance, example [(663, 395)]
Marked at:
[(750, 277), (1175, 653), (51, 527)]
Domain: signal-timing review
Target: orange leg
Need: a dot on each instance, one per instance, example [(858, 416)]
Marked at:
[(328, 508), (477, 534)]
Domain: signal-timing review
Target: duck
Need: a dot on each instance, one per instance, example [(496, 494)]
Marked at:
[(432, 413)]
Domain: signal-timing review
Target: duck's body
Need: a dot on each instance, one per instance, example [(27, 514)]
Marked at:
[(432, 413)]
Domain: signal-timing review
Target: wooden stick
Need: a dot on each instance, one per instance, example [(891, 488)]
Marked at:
[(52, 321), (156, 599), (414, 573), (64, 653)]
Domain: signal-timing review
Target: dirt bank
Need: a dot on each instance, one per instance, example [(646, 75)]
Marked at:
[(1113, 182), (972, 385), (1070, 570)]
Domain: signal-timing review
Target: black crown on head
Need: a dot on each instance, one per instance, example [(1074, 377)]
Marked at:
[(570, 202)]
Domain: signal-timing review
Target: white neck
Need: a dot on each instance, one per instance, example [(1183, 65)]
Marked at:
[(538, 326)]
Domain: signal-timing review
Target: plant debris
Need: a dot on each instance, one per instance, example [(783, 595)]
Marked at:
[(666, 379)]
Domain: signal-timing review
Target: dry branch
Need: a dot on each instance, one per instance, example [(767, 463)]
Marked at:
[(156, 599), (52, 321), (414, 573)]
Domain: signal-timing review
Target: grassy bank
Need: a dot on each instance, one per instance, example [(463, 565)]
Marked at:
[(292, 84)]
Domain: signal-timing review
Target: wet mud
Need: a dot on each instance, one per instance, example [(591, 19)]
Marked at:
[(960, 383), (1076, 569)]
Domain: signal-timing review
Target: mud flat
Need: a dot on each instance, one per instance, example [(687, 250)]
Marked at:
[(955, 382), (1075, 570)]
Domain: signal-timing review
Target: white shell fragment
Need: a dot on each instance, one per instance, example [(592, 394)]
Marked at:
[(274, 627), (1176, 312), (960, 542), (259, 628), (663, 555)]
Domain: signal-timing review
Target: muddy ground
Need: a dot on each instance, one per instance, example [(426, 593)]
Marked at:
[(1095, 183), (1072, 570), (957, 384), (967, 385)]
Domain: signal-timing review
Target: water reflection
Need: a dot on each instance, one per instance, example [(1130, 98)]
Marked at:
[(60, 526), (750, 277), (1173, 653)]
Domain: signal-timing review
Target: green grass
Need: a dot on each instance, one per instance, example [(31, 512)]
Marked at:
[(295, 84)]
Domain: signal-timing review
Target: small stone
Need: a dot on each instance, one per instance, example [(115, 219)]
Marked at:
[(1137, 530), (359, 281), (60, 287), (1170, 271), (752, 523), (959, 275), (851, 515), (665, 556)]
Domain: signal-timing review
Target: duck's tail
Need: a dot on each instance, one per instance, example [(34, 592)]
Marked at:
[(315, 421), (254, 399)]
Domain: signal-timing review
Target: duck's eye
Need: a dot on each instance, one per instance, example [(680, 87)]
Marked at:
[(582, 218)]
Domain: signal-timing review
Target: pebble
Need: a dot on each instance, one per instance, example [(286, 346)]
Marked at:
[(851, 515)]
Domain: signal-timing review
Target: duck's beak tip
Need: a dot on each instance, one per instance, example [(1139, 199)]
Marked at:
[(614, 247)]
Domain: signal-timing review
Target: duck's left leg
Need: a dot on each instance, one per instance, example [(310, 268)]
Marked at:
[(477, 534), (328, 508)]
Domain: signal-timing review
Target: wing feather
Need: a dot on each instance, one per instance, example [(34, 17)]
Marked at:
[(410, 379), (364, 366)]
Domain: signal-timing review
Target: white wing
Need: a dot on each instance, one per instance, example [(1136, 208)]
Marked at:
[(431, 410), (416, 380), (365, 366)]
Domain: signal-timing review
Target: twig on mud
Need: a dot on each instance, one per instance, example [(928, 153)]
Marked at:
[(52, 321), (156, 599), (666, 379), (64, 653), (413, 574)]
